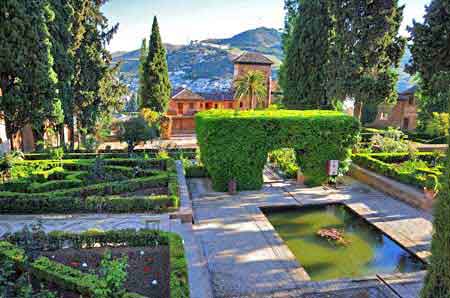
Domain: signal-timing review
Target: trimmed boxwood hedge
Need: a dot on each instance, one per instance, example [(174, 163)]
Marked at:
[(382, 163), (83, 199), (73, 195), (186, 152), (65, 277), (236, 146)]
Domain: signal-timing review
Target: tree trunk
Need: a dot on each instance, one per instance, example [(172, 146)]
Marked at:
[(72, 136), (357, 112), (62, 136), (38, 136), (10, 134), (252, 100)]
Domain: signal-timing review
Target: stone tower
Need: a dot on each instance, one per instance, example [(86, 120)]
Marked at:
[(254, 61)]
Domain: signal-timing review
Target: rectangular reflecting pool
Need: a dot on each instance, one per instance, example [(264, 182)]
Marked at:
[(362, 250)]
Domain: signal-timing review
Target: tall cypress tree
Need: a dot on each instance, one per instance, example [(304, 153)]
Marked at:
[(156, 88), (291, 10), (62, 50), (431, 51), (305, 76), (142, 59), (26, 74), (366, 50), (97, 92)]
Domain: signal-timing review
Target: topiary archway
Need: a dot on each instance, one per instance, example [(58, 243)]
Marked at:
[(235, 146)]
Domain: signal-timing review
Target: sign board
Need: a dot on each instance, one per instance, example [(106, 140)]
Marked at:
[(333, 167)]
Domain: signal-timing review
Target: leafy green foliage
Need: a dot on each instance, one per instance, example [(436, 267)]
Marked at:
[(366, 50), (236, 145), (305, 69), (286, 161), (156, 89), (400, 167), (114, 273), (438, 125), (88, 186), (135, 131), (142, 60), (430, 49), (252, 86), (430, 46), (28, 87), (108, 284)]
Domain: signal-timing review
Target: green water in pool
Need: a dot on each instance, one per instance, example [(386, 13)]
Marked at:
[(366, 253)]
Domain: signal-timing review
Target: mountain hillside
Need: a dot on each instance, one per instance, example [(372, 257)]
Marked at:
[(206, 66), (263, 40)]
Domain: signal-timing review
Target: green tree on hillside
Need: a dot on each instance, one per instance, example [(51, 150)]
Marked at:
[(430, 50), (305, 76), (251, 85), (366, 50), (156, 88)]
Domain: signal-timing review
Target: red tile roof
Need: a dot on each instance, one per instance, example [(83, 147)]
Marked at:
[(253, 58), (186, 94)]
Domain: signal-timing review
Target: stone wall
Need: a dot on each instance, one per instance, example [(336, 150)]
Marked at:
[(398, 190)]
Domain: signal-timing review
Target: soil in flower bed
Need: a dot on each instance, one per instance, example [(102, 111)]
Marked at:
[(156, 191), (148, 268)]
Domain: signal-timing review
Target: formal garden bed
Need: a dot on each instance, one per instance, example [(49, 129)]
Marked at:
[(421, 170), (121, 263), (104, 184)]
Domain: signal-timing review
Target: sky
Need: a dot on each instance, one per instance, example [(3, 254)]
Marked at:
[(184, 20)]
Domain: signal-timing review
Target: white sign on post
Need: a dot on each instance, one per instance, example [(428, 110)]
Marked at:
[(333, 167)]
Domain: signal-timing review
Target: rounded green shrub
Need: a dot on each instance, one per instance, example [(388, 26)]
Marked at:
[(236, 145)]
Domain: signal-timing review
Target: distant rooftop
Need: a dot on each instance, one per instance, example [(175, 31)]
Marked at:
[(220, 95), (253, 58), (186, 94)]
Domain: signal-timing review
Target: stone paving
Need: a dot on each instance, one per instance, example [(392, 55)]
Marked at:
[(246, 258), (233, 251)]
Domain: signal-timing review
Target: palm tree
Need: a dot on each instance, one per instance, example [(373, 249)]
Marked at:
[(251, 85)]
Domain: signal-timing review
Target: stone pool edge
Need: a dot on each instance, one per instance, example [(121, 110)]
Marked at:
[(300, 276)]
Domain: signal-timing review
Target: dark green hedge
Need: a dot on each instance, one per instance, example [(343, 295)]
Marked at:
[(72, 279), (195, 171), (381, 163), (87, 199), (151, 153), (236, 146)]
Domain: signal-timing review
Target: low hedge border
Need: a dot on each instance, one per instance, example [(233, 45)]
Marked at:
[(87, 199), (190, 153), (380, 163), (97, 198), (69, 278)]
